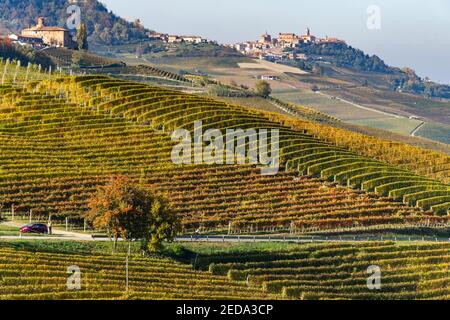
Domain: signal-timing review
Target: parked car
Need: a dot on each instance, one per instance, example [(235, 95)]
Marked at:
[(34, 228)]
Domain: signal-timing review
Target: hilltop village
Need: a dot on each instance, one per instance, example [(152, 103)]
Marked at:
[(272, 48)]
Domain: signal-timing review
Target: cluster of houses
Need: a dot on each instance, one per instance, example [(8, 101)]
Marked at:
[(270, 47), (41, 36), (177, 39)]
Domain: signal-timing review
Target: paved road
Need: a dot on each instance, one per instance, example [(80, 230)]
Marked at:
[(76, 236), (57, 233), (245, 239), (364, 107), (413, 133)]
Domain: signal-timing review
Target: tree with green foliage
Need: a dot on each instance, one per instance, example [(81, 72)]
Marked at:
[(132, 212), (76, 59), (263, 88), (82, 35)]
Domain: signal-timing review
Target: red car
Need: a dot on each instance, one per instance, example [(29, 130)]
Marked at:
[(34, 228)]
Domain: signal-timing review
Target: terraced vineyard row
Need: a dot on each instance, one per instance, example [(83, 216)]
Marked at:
[(139, 70), (340, 270), (65, 58), (36, 276), (424, 162)]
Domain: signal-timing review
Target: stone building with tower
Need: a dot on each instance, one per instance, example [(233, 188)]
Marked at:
[(50, 35)]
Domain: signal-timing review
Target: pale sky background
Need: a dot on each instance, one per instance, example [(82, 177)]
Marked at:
[(414, 33)]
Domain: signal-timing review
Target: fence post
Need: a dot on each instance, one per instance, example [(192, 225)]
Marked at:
[(84, 225), (13, 209), (67, 223), (31, 215)]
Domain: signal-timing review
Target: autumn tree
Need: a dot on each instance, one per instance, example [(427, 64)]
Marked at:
[(82, 35), (132, 212), (263, 88)]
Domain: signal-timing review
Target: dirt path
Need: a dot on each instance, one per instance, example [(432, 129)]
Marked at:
[(413, 133)]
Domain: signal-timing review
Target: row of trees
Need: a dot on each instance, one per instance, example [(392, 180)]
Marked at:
[(262, 88)]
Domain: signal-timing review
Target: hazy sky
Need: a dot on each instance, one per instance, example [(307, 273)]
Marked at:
[(413, 33)]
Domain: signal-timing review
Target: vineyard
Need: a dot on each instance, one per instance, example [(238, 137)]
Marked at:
[(43, 275), (65, 58), (327, 270), (340, 270), (63, 137), (13, 74), (92, 63)]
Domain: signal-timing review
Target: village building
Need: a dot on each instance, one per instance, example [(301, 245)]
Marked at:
[(307, 37), (193, 39), (265, 39), (174, 39), (269, 77), (158, 36), (273, 49), (51, 36), (187, 39), (288, 40), (331, 40), (34, 42)]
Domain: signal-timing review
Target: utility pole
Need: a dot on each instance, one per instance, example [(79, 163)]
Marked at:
[(126, 266)]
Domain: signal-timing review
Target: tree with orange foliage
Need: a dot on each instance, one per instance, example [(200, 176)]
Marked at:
[(132, 212)]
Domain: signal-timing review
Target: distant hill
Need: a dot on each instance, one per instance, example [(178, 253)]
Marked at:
[(104, 27), (322, 57)]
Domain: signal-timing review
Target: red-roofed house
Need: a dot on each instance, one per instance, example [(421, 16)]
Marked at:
[(51, 36)]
